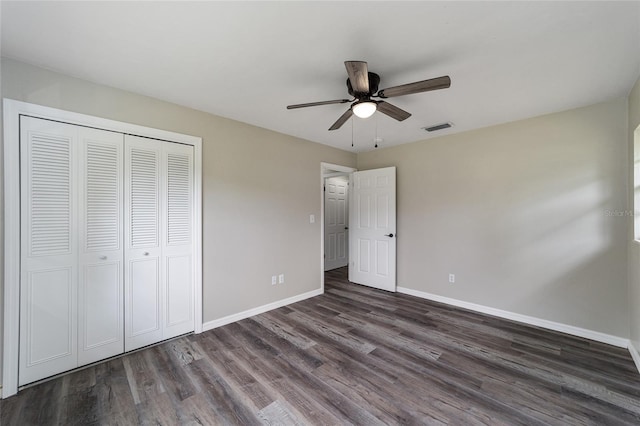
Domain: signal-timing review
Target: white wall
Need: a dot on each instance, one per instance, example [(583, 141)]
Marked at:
[(255, 216), (519, 213)]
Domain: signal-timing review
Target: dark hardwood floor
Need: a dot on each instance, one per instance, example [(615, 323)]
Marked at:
[(351, 356)]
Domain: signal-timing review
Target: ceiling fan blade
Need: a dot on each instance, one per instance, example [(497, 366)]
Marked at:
[(336, 101), (343, 119), (417, 87), (393, 111), (358, 76)]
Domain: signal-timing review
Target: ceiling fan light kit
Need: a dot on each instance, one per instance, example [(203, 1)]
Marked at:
[(364, 109), (363, 85)]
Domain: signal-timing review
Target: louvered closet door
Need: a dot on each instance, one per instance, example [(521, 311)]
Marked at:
[(159, 279), (106, 245), (101, 330), (143, 280), (71, 309), (49, 249), (177, 244)]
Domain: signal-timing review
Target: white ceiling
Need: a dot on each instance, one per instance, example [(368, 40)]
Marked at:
[(248, 60)]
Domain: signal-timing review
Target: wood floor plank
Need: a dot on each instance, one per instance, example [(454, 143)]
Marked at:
[(337, 335), (113, 399), (284, 331), (240, 379), (302, 358), (279, 414), (354, 355), (275, 379), (171, 371), (142, 376), (159, 410), (364, 396), (225, 400), (39, 410)]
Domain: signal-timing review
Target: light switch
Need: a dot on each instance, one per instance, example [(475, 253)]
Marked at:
[(312, 218)]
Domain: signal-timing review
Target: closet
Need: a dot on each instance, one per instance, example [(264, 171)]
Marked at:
[(107, 244)]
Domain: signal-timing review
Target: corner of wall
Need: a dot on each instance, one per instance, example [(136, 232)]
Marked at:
[(633, 253), (1, 228)]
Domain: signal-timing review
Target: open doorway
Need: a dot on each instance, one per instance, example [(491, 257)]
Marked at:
[(334, 190)]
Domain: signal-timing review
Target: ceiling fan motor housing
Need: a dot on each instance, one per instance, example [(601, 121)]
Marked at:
[(374, 81)]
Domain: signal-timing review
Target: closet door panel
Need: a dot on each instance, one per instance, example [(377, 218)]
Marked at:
[(178, 239), (48, 290), (101, 308), (144, 301), (179, 306), (49, 324), (101, 292), (143, 251)]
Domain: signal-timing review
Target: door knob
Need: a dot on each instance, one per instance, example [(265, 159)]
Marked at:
[(388, 235), (146, 253), (346, 227), (103, 257)]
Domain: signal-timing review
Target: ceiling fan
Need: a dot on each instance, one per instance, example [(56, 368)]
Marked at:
[(363, 85)]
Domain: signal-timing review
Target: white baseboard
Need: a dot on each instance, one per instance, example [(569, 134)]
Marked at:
[(538, 322), (209, 325), (635, 355)]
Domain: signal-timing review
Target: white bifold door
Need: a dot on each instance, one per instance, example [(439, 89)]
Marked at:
[(106, 253), (372, 227), (71, 293), (159, 241)]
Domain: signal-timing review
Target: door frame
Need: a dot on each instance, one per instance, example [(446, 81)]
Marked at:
[(328, 170), (12, 111)]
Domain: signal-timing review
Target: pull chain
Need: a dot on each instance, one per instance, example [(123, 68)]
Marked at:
[(351, 132), (376, 139)]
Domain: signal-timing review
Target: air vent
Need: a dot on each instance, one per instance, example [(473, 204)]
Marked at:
[(438, 127)]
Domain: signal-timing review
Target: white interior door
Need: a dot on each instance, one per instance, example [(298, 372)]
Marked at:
[(49, 249), (336, 225), (100, 313), (372, 226)]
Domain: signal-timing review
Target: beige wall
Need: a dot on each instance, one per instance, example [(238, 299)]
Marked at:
[(634, 247), (519, 213), (259, 188)]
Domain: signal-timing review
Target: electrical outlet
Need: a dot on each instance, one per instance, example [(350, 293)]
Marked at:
[(281, 279), (274, 279), (452, 278)]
